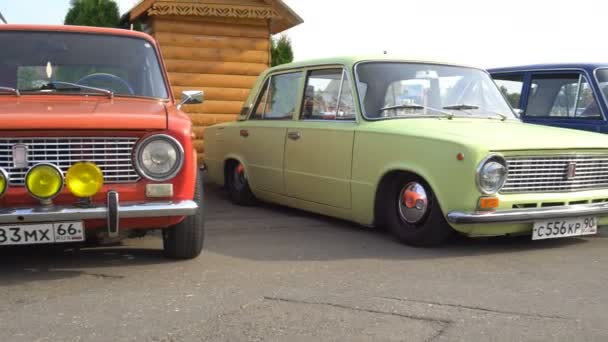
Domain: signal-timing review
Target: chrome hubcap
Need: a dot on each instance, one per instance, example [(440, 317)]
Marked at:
[(413, 203)]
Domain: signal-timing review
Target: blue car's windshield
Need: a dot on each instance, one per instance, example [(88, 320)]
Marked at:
[(63, 62), (400, 89)]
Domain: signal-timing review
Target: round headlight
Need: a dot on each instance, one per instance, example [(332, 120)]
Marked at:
[(84, 179), (3, 181), (159, 157), (491, 174), (44, 181)]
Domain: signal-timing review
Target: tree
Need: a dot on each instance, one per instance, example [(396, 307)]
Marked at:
[(103, 13), (281, 51)]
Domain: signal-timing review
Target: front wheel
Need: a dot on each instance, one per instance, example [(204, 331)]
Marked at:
[(238, 186), (185, 239), (413, 213)]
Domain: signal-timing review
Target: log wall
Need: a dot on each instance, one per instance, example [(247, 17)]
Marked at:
[(221, 56)]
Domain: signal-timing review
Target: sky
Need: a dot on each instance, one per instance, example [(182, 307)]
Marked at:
[(486, 33)]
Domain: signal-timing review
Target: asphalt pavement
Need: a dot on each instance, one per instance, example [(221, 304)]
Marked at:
[(270, 273)]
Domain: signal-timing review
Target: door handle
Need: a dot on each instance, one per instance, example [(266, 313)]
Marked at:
[(294, 135), (244, 133)]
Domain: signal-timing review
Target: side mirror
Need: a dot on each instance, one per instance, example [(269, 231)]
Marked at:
[(191, 97)]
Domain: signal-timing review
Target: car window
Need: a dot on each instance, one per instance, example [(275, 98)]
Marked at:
[(328, 96), (278, 97), (511, 86), (562, 95)]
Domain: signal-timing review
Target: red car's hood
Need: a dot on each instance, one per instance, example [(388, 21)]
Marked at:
[(80, 113)]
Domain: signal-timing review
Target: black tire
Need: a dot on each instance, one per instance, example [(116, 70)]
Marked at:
[(429, 229), (185, 239), (238, 186)]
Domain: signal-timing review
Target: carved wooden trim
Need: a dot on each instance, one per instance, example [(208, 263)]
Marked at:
[(203, 10)]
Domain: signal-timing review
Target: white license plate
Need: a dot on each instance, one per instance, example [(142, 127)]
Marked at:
[(558, 228), (28, 234)]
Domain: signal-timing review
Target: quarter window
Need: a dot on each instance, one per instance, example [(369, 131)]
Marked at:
[(328, 96), (278, 97), (511, 87), (562, 95)]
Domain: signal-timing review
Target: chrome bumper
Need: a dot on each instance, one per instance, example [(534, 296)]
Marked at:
[(124, 210), (529, 214)]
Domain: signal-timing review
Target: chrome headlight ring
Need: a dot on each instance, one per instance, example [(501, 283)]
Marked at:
[(490, 164), (148, 174)]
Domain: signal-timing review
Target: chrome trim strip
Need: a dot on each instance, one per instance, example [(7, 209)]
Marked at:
[(125, 210), (528, 215)]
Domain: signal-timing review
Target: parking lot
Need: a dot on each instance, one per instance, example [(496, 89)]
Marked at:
[(272, 273)]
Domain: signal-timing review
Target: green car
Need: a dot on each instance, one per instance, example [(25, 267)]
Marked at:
[(426, 149)]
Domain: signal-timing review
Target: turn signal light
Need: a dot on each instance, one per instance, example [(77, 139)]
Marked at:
[(44, 181), (84, 179), (3, 182), (487, 203)]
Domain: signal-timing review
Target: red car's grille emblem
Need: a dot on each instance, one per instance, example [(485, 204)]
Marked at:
[(19, 156)]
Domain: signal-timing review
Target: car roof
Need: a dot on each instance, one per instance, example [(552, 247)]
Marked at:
[(350, 61), (76, 29), (549, 66)]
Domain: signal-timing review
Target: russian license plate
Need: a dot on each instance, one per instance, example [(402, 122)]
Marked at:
[(27, 234), (558, 228)]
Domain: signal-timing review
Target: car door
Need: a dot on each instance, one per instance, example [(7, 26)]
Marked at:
[(263, 134), (319, 145), (562, 99)]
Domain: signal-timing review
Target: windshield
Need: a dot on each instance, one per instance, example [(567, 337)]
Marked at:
[(602, 78), (60, 62), (390, 89)]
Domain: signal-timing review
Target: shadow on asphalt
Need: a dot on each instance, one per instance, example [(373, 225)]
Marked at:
[(302, 236), (29, 263)]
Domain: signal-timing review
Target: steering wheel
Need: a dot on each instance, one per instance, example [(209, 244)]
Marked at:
[(106, 77)]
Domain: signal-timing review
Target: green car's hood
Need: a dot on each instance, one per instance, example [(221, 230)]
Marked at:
[(495, 135)]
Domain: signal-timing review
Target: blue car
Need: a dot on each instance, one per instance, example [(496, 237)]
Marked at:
[(563, 95)]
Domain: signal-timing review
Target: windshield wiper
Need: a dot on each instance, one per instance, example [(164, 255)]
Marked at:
[(59, 85), (464, 107), (417, 106), (80, 86), (461, 106), (11, 90)]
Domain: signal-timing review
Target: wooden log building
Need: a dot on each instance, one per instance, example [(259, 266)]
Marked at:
[(218, 46)]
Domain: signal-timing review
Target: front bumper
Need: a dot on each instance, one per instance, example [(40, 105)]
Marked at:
[(526, 215), (112, 212)]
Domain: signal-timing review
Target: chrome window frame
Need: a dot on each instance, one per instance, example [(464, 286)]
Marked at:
[(597, 82), (258, 95)]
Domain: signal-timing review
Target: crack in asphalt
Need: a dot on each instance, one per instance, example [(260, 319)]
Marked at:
[(347, 307), (103, 275), (479, 308)]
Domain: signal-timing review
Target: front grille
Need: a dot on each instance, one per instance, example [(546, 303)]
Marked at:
[(112, 155), (564, 173)]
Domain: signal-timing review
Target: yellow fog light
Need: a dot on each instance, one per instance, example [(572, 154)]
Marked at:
[(84, 179), (44, 181), (3, 182)]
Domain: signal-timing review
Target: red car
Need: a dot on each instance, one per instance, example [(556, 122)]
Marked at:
[(92, 142)]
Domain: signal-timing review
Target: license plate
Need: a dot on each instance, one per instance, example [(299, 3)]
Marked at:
[(28, 234), (558, 228)]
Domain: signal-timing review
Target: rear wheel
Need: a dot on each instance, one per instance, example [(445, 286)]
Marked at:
[(238, 186), (185, 239), (413, 214)]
